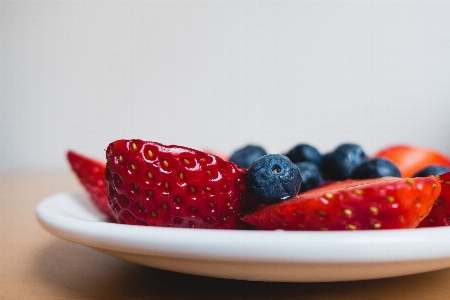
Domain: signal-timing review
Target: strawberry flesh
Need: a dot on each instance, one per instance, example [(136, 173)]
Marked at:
[(91, 174), (382, 203), (440, 213), (158, 185)]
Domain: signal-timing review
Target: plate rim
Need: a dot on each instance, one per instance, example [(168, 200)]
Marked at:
[(369, 246)]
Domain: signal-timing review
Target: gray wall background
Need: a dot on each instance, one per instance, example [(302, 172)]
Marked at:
[(218, 75)]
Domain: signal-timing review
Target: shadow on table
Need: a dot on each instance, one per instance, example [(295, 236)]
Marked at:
[(81, 272)]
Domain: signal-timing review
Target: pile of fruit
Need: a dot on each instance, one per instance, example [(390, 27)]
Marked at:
[(148, 183)]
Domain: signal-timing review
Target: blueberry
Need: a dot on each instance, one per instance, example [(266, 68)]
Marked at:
[(243, 157), (273, 178), (375, 168), (339, 164), (432, 170), (305, 152), (311, 175)]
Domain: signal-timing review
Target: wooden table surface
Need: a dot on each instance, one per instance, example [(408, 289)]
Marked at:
[(37, 265)]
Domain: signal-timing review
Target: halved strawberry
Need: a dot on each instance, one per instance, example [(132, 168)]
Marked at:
[(440, 213), (382, 203), (411, 159), (91, 174), (153, 184)]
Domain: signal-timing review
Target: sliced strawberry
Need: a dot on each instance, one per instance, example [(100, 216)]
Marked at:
[(91, 174), (382, 203), (153, 184), (411, 159), (440, 213)]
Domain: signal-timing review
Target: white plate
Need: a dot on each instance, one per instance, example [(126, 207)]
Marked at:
[(251, 255)]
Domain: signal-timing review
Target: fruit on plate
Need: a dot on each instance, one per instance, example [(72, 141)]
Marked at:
[(375, 168), (153, 184), (273, 178), (440, 213), (91, 174), (213, 152), (147, 183), (339, 164), (382, 203), (305, 152), (243, 157), (311, 175), (432, 170), (412, 159)]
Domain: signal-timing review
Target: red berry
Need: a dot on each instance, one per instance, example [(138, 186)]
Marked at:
[(213, 152), (382, 203), (91, 174), (440, 213), (153, 184), (410, 159)]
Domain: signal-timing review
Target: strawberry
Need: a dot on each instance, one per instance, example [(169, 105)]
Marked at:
[(411, 159), (153, 184), (440, 213), (213, 152), (91, 174), (382, 203)]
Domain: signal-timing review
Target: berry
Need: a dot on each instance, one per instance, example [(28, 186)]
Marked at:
[(273, 178), (339, 164), (213, 152), (311, 175), (244, 157), (432, 170), (91, 174), (440, 213), (375, 168), (382, 203), (153, 184), (305, 152), (411, 159)]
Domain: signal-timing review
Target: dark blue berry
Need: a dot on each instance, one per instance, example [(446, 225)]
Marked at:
[(305, 152), (339, 164), (273, 178), (311, 175), (432, 170), (244, 157), (375, 168)]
